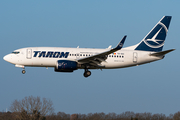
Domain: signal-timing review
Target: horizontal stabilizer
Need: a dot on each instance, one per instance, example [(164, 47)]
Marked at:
[(161, 53)]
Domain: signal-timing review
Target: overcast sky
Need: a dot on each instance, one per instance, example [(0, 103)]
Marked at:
[(151, 87)]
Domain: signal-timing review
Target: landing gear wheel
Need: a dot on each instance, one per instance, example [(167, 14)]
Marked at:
[(87, 73), (23, 71)]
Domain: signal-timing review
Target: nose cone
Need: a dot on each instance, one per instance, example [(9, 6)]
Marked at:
[(7, 58)]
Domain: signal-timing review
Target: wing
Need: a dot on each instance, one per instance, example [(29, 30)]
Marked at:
[(101, 57)]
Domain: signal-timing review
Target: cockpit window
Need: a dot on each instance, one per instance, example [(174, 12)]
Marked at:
[(15, 52)]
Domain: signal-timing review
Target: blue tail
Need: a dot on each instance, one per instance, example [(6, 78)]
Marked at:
[(154, 40)]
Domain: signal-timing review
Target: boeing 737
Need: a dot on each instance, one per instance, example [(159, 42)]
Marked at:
[(70, 59)]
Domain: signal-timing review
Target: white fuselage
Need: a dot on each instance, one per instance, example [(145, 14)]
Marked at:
[(48, 57), (70, 59)]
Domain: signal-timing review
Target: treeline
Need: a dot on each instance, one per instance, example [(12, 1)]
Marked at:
[(113, 116), (36, 108), (91, 116)]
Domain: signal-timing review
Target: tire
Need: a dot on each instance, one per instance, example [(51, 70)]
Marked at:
[(23, 71), (87, 74)]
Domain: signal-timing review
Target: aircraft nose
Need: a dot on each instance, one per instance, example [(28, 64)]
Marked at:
[(6, 58)]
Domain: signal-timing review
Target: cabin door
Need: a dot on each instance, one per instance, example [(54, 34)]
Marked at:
[(135, 57), (29, 53)]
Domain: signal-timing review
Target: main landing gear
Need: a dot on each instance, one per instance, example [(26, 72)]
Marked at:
[(87, 73)]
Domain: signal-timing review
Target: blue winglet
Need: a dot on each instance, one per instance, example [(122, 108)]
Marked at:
[(121, 43)]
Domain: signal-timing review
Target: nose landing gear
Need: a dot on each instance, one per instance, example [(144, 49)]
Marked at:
[(87, 73), (23, 71)]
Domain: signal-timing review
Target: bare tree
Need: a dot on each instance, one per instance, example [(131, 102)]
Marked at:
[(63, 115), (32, 107), (74, 117), (176, 116)]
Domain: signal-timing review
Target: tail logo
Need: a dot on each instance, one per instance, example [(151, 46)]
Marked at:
[(156, 37)]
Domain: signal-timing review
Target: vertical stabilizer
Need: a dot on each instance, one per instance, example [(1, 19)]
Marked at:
[(154, 40)]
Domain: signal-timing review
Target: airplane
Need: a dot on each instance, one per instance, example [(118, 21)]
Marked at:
[(69, 59)]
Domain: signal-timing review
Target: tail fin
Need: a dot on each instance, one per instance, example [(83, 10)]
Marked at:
[(154, 40)]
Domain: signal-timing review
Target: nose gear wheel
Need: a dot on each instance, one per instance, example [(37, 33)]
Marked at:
[(23, 71)]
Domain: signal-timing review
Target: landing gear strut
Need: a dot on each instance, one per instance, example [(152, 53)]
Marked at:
[(87, 73)]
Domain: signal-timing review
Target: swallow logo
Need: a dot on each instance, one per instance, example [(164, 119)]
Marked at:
[(120, 45), (62, 64), (156, 40)]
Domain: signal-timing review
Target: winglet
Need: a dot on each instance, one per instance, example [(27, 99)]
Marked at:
[(121, 43)]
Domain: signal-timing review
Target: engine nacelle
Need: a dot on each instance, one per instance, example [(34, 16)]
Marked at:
[(66, 66)]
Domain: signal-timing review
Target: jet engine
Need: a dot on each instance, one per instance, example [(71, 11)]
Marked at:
[(66, 66)]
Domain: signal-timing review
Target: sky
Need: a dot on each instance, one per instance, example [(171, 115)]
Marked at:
[(152, 87)]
